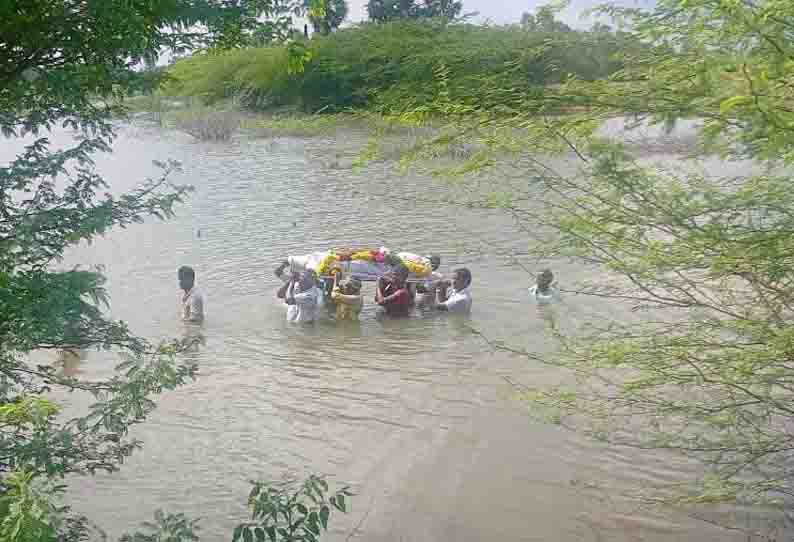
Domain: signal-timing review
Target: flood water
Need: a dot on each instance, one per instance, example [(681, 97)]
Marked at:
[(415, 414)]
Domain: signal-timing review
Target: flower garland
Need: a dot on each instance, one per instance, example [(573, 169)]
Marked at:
[(327, 264), (416, 269)]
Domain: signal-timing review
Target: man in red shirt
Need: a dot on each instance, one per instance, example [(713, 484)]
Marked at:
[(392, 293)]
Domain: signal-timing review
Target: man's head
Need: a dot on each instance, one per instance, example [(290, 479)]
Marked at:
[(400, 275), (351, 286), (308, 280), (545, 279), (435, 262), (187, 277), (462, 279)]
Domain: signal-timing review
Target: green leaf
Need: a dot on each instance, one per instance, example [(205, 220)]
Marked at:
[(248, 536), (324, 514), (238, 531), (254, 492), (259, 533), (313, 524), (727, 105)]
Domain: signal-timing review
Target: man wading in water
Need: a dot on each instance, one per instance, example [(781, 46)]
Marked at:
[(300, 294), (455, 296), (425, 296), (545, 290), (192, 299), (392, 294)]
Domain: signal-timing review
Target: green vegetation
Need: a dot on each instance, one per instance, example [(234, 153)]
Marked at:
[(398, 66), (333, 14), (389, 10), (282, 512), (66, 63), (543, 20), (290, 514)]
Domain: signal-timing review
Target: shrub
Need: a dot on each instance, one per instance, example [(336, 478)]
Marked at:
[(205, 124)]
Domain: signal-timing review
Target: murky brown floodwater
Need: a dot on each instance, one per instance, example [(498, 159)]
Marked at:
[(414, 414)]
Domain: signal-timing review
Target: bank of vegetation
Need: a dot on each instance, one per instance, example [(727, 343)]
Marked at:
[(398, 66)]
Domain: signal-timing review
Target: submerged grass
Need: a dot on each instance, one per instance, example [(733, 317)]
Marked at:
[(205, 123)]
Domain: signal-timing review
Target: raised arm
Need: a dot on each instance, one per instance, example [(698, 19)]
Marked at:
[(289, 297), (442, 291), (379, 292), (280, 269), (281, 293), (389, 298)]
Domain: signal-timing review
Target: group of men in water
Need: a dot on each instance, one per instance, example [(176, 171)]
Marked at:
[(304, 293)]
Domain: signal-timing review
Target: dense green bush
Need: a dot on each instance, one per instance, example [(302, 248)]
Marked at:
[(216, 75), (394, 67)]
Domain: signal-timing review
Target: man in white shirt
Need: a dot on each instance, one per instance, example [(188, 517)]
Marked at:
[(455, 296), (302, 296), (192, 298)]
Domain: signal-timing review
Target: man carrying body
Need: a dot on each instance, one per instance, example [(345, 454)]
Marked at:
[(301, 295), (426, 291), (455, 296), (392, 294)]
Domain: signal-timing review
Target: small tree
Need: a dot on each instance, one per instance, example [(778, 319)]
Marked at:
[(388, 10), (707, 372), (68, 63), (330, 18), (543, 20)]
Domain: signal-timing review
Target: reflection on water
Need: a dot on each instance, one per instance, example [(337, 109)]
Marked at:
[(415, 413), (547, 312), (193, 337)]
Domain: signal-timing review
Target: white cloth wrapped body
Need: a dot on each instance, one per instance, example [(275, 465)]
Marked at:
[(360, 269), (298, 264)]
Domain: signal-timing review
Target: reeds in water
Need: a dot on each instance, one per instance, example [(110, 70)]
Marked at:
[(207, 124)]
